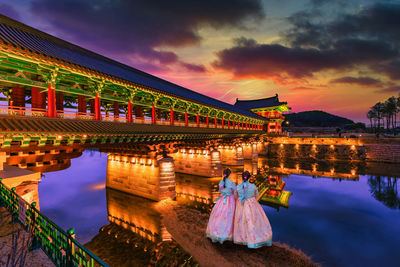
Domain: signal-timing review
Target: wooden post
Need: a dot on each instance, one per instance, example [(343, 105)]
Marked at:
[(129, 119), (172, 117), (186, 119), (97, 115), (153, 115), (116, 110), (81, 104), (207, 121), (51, 102), (59, 101), (198, 120)]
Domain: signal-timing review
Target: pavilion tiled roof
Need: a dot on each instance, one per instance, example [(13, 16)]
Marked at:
[(259, 103), (21, 35)]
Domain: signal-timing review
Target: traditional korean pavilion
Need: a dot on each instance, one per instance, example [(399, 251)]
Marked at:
[(270, 108)]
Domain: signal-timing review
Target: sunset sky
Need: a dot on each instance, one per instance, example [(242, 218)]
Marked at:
[(337, 56)]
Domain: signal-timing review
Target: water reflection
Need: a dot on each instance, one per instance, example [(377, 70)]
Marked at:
[(385, 190), (322, 212), (136, 235)]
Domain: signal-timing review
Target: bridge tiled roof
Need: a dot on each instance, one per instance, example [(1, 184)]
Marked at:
[(21, 35), (259, 103)]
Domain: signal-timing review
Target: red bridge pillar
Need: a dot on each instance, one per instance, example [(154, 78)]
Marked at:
[(59, 101), (97, 110), (51, 102), (153, 115), (37, 98), (81, 104), (116, 110), (18, 97), (129, 115)]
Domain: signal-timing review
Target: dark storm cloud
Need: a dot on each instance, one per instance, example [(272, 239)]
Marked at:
[(367, 81), (248, 58), (367, 38), (138, 27), (391, 69), (376, 22)]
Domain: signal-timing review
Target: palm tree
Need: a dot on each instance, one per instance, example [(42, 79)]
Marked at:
[(390, 108), (378, 109), (371, 115)]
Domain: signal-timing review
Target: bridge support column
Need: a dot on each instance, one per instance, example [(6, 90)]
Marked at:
[(216, 167), (91, 103), (18, 97), (139, 112), (81, 104), (167, 178), (36, 98), (153, 115), (59, 101), (116, 110), (129, 114), (186, 119), (51, 102), (97, 114)]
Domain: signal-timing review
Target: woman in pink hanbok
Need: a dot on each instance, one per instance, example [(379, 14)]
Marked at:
[(251, 225), (220, 224)]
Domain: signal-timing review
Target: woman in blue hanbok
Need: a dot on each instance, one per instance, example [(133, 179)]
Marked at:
[(251, 225), (220, 224)]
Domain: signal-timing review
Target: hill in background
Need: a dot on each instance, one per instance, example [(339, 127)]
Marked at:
[(316, 118)]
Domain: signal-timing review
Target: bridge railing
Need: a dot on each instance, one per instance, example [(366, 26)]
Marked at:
[(60, 246), (68, 114), (22, 111)]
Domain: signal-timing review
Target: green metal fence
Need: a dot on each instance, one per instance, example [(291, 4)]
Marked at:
[(60, 246)]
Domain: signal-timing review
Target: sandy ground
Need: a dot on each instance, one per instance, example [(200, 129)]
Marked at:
[(34, 258), (188, 227)]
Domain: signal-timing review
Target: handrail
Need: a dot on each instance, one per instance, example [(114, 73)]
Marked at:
[(60, 246), (68, 114)]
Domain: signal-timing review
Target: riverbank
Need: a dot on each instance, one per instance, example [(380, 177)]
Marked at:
[(188, 227), (16, 250)]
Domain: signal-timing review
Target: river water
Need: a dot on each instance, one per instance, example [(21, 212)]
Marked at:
[(338, 222)]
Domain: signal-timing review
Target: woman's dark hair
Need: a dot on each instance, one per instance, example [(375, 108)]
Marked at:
[(245, 176), (227, 172)]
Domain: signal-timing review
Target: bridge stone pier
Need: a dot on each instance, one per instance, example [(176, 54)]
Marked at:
[(198, 161), (250, 150), (231, 155), (142, 176)]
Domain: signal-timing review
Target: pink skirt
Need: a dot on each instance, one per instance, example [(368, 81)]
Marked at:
[(220, 224), (252, 227)]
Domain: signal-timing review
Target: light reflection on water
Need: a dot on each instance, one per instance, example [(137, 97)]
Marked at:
[(336, 222)]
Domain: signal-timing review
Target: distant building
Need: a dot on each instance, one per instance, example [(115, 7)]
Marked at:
[(269, 108)]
